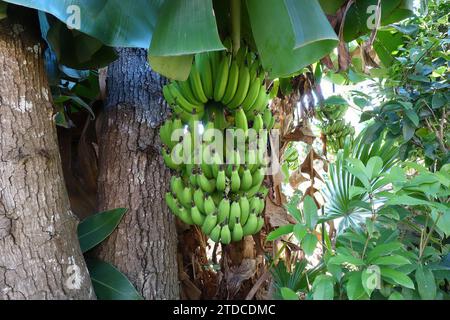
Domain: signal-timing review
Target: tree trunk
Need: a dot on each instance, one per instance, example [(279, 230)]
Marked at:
[(132, 175), (40, 257)]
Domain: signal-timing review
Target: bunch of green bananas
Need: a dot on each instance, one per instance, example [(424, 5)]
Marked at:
[(225, 196), (336, 134), (291, 157), (333, 125)]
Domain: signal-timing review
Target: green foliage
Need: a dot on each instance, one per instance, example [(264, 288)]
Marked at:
[(398, 249), (305, 227), (415, 91), (307, 35), (96, 228), (108, 282)]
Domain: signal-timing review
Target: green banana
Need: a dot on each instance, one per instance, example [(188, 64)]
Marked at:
[(225, 235), (215, 233), (185, 216), (235, 180), (245, 209), (209, 223), (209, 205), (258, 123), (186, 197), (181, 101), (267, 118), (198, 198), (168, 160), (221, 181), (260, 224), (224, 210), (258, 177), (197, 217), (235, 213), (214, 58), (204, 68), (186, 91), (206, 184), (252, 94), (172, 203), (240, 120), (196, 84), (222, 78), (168, 95), (237, 233), (233, 80), (247, 180), (251, 225), (241, 92), (261, 102)]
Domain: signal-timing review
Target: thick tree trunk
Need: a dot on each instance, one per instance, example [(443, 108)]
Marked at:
[(133, 176), (40, 257)]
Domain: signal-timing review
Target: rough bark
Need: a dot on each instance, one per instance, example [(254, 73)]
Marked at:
[(40, 257), (132, 175)]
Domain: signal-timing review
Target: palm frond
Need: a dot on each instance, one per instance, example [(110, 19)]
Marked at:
[(339, 203)]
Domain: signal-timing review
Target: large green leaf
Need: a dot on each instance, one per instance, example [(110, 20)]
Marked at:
[(115, 23), (323, 288), (290, 34), (78, 50), (98, 227), (109, 283), (426, 283), (184, 28), (361, 15)]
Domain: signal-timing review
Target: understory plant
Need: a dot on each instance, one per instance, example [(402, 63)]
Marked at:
[(393, 223)]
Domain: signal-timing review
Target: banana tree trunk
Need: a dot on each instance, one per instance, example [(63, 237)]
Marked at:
[(132, 175), (40, 257)]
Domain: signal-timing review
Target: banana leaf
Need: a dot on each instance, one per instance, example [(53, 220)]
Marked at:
[(116, 23), (290, 34), (361, 14), (183, 29)]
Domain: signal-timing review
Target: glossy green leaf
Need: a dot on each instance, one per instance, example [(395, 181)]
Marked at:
[(288, 294), (115, 23), (96, 228), (310, 212), (374, 167), (290, 34), (383, 250), (185, 27), (361, 16), (397, 277), (394, 260), (426, 283), (355, 289), (300, 231), (369, 280), (309, 243), (109, 283), (346, 259), (323, 288), (281, 231)]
